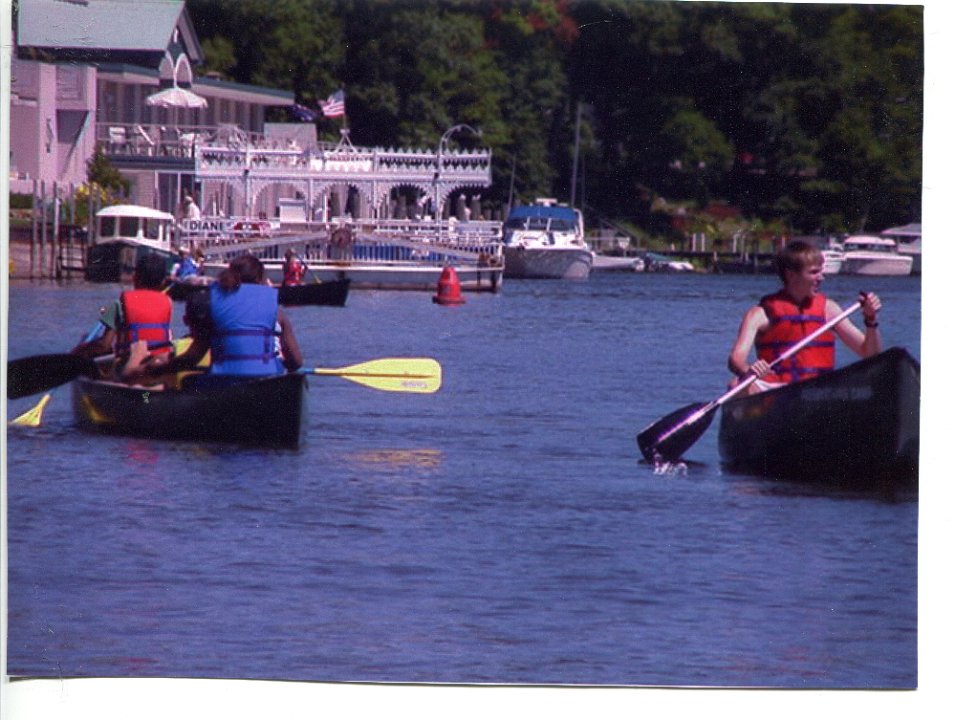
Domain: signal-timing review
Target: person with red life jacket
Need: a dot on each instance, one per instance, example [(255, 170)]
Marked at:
[(784, 318), (143, 314), (239, 320), (293, 269)]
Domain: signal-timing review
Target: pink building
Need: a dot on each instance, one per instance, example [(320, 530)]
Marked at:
[(86, 73)]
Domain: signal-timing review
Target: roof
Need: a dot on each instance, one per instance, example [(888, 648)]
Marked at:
[(133, 211), (137, 25), (910, 230)]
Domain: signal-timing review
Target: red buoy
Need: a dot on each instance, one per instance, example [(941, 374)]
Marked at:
[(449, 288)]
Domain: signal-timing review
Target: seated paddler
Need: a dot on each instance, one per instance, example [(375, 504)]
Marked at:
[(141, 314), (780, 320), (239, 321)]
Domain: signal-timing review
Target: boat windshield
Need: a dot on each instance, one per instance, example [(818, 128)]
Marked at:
[(539, 223), (153, 229), (107, 226)]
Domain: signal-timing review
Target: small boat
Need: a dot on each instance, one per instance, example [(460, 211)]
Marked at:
[(909, 239), (260, 411), (854, 428), (331, 292), (873, 255), (546, 241), (124, 233)]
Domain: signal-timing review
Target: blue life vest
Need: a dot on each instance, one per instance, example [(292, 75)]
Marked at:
[(187, 268), (243, 331)]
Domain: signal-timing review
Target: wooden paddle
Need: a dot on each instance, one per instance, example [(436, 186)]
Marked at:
[(668, 438), (412, 375)]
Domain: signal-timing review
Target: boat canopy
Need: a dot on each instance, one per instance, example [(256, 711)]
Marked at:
[(542, 217)]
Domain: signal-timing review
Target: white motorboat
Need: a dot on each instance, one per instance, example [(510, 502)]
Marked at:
[(124, 233), (909, 239), (546, 241), (832, 258), (874, 255)]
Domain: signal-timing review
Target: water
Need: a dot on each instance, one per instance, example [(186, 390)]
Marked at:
[(504, 530)]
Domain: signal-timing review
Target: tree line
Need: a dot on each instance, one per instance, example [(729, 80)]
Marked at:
[(806, 116)]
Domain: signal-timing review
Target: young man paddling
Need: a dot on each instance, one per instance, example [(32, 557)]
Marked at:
[(784, 318)]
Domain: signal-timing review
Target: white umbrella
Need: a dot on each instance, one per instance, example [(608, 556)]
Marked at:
[(176, 97)]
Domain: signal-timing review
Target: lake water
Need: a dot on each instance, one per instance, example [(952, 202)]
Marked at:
[(504, 530)]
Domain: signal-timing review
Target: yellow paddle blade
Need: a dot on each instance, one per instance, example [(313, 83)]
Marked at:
[(32, 417), (412, 375)]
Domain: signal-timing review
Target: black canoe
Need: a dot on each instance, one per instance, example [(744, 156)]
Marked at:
[(854, 428), (264, 412), (332, 292)]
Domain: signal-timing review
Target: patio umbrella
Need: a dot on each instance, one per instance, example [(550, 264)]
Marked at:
[(176, 97)]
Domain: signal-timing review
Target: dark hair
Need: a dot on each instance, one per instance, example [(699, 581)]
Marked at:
[(243, 269), (796, 256), (150, 272)]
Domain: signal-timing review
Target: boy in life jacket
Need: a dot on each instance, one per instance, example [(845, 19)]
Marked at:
[(143, 314), (239, 320), (784, 318), (293, 269)]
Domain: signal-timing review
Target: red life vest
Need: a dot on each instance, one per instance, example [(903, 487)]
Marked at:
[(788, 324), (294, 272), (146, 316)]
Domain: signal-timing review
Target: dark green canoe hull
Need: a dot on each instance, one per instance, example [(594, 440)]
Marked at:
[(856, 427), (265, 412)]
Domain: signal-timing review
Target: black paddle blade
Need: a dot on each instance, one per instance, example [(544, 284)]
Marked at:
[(668, 438), (38, 373)]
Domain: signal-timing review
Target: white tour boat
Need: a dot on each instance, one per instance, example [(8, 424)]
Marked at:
[(546, 240), (873, 255), (124, 233)]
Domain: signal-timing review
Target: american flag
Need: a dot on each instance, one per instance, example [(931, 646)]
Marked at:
[(335, 105)]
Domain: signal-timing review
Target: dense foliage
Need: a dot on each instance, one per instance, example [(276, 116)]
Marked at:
[(804, 115)]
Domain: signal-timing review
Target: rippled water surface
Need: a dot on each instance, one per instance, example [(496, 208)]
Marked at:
[(503, 530)]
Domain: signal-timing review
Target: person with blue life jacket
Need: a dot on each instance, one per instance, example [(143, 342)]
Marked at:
[(143, 314), (186, 267), (239, 321), (782, 319)]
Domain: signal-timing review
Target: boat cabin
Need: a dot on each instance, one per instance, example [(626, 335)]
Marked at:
[(134, 224), (869, 243)]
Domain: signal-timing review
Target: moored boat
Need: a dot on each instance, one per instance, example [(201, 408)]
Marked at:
[(332, 293), (909, 239), (872, 255), (124, 233), (854, 428), (546, 241), (260, 411)]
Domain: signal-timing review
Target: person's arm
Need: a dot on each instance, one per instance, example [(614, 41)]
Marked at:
[(865, 343), (753, 321), (110, 317), (291, 354)]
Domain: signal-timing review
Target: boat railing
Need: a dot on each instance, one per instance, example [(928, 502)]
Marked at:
[(328, 245)]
